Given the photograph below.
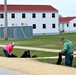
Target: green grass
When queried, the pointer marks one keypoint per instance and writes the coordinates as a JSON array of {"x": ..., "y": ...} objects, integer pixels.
[
  {"x": 19, "y": 52},
  {"x": 50, "y": 42},
  {"x": 53, "y": 61}
]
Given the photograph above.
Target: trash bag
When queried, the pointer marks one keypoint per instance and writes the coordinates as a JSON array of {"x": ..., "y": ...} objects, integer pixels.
[
  {"x": 34, "y": 56},
  {"x": 59, "y": 59},
  {"x": 26, "y": 54},
  {"x": 12, "y": 55}
]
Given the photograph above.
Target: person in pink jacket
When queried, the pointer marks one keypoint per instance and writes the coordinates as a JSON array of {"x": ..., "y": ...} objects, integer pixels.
[{"x": 8, "y": 49}]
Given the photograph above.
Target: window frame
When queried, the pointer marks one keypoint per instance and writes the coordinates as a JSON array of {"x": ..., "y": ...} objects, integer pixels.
[
  {"x": 34, "y": 26},
  {"x": 44, "y": 26},
  {"x": 74, "y": 24},
  {"x": 43, "y": 15},
  {"x": 12, "y": 15},
  {"x": 23, "y": 15},
  {"x": 67, "y": 25},
  {"x": 1, "y": 16},
  {"x": 53, "y": 25},
  {"x": 53, "y": 15},
  {"x": 33, "y": 15}
]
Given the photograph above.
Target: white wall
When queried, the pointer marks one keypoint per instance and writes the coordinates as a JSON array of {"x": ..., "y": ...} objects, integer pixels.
[
  {"x": 70, "y": 28},
  {"x": 38, "y": 21},
  {"x": 66, "y": 29},
  {"x": 48, "y": 21},
  {"x": 1, "y": 21}
]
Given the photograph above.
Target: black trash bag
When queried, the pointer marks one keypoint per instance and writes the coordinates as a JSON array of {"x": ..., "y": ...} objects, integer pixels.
[
  {"x": 59, "y": 59},
  {"x": 34, "y": 56},
  {"x": 26, "y": 54},
  {"x": 12, "y": 55}
]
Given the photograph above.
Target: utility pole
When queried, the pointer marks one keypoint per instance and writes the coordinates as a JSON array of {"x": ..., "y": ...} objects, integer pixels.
[{"x": 6, "y": 26}]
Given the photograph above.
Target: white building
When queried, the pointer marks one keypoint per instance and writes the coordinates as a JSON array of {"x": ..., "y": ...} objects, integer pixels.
[
  {"x": 43, "y": 18},
  {"x": 68, "y": 24}
]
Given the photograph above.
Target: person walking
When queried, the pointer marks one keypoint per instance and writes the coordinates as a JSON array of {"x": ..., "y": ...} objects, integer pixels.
[
  {"x": 8, "y": 50},
  {"x": 68, "y": 51}
]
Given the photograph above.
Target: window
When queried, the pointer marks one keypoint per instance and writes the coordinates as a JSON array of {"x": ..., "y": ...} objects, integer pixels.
[
  {"x": 34, "y": 26},
  {"x": 12, "y": 15},
  {"x": 1, "y": 15},
  {"x": 23, "y": 15},
  {"x": 53, "y": 26},
  {"x": 53, "y": 15},
  {"x": 43, "y": 15},
  {"x": 67, "y": 25},
  {"x": 44, "y": 26},
  {"x": 33, "y": 15},
  {"x": 74, "y": 25}
]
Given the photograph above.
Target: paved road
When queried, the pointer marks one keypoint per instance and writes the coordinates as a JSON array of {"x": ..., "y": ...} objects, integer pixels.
[{"x": 9, "y": 72}]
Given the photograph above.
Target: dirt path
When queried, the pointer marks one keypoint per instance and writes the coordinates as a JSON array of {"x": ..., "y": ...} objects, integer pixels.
[
  {"x": 33, "y": 67},
  {"x": 38, "y": 49}
]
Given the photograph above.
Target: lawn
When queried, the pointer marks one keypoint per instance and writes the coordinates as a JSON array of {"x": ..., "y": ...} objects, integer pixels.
[
  {"x": 53, "y": 61},
  {"x": 19, "y": 52},
  {"x": 50, "y": 42}
]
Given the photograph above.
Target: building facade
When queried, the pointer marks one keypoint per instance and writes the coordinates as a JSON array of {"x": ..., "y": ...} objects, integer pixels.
[
  {"x": 42, "y": 18},
  {"x": 67, "y": 24}
]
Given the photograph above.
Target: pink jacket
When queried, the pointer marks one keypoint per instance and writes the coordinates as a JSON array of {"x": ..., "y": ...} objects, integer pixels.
[{"x": 9, "y": 48}]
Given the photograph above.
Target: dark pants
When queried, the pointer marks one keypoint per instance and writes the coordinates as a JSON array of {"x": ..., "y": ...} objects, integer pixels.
[
  {"x": 7, "y": 55},
  {"x": 5, "y": 52},
  {"x": 68, "y": 60}
]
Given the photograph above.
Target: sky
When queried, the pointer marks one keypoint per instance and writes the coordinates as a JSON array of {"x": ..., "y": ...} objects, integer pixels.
[{"x": 65, "y": 7}]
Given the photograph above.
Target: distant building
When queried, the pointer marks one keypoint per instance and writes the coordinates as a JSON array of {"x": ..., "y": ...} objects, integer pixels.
[
  {"x": 42, "y": 18},
  {"x": 67, "y": 24}
]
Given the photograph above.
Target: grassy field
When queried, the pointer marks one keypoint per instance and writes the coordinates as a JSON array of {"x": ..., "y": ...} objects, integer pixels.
[
  {"x": 19, "y": 52},
  {"x": 50, "y": 42},
  {"x": 53, "y": 61}
]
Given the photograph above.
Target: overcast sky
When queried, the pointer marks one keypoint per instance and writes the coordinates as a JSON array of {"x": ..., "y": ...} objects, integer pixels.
[{"x": 65, "y": 7}]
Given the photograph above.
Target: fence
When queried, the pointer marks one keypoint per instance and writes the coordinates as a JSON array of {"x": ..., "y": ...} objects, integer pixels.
[{"x": 18, "y": 32}]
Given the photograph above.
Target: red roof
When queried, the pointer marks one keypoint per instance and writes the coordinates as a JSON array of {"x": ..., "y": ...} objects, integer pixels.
[
  {"x": 28, "y": 8},
  {"x": 66, "y": 19}
]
